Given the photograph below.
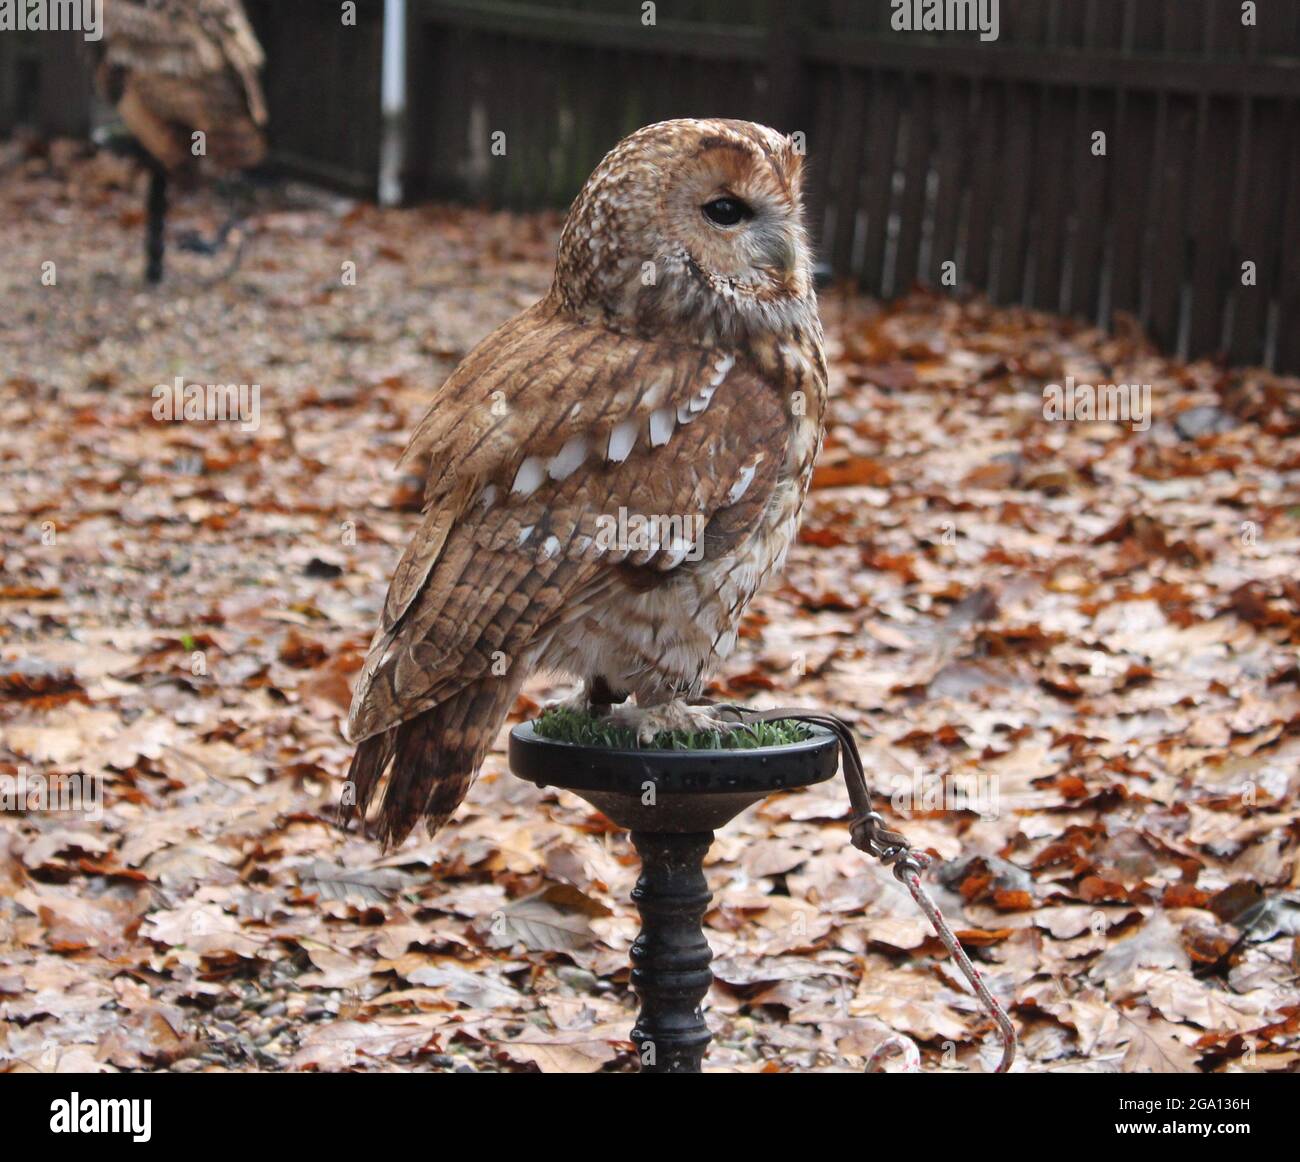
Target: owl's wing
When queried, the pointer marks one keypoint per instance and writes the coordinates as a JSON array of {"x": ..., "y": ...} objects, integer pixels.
[
  {"x": 188, "y": 40},
  {"x": 546, "y": 436}
]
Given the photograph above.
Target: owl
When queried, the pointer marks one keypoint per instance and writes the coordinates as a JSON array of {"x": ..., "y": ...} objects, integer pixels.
[
  {"x": 174, "y": 69},
  {"x": 615, "y": 472}
]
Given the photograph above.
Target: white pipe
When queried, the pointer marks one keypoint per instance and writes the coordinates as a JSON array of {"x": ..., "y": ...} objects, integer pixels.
[{"x": 394, "y": 102}]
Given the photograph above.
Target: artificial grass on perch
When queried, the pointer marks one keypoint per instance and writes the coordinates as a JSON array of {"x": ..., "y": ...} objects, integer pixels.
[
  {"x": 672, "y": 793},
  {"x": 573, "y": 726}
]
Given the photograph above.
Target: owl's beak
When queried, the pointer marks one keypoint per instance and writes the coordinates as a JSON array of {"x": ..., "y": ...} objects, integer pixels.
[{"x": 783, "y": 256}]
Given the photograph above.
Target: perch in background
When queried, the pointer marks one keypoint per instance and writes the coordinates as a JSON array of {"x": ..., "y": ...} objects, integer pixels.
[{"x": 174, "y": 68}]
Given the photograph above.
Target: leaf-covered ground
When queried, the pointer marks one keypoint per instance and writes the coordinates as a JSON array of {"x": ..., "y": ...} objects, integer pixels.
[{"x": 1091, "y": 632}]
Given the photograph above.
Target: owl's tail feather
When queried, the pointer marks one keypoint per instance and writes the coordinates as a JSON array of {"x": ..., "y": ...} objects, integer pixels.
[{"x": 431, "y": 761}]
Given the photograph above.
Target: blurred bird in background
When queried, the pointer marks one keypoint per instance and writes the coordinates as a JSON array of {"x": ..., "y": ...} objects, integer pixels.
[{"x": 183, "y": 76}]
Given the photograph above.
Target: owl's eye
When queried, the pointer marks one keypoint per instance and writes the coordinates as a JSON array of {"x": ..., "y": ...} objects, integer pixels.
[{"x": 726, "y": 211}]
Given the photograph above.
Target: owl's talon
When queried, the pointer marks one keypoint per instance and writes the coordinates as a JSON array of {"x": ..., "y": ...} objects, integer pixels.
[{"x": 671, "y": 716}]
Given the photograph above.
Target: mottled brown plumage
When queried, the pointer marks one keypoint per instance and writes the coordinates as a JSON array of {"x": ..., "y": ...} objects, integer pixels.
[
  {"x": 173, "y": 67},
  {"x": 675, "y": 370}
]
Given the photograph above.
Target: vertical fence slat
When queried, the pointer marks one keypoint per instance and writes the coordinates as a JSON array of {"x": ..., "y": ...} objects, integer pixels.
[
  {"x": 911, "y": 202},
  {"x": 951, "y": 173},
  {"x": 1288, "y": 307},
  {"x": 988, "y": 159},
  {"x": 1216, "y": 168},
  {"x": 847, "y": 150},
  {"x": 1133, "y": 160},
  {"x": 1014, "y": 193},
  {"x": 1055, "y": 166},
  {"x": 1170, "y": 208},
  {"x": 823, "y": 141},
  {"x": 1260, "y": 229},
  {"x": 882, "y": 142}
]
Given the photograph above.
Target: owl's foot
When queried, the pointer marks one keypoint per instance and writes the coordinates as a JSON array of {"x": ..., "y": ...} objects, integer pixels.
[
  {"x": 593, "y": 697},
  {"x": 669, "y": 716},
  {"x": 577, "y": 703}
]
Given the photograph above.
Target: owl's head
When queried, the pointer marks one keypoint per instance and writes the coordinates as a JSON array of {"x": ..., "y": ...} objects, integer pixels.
[{"x": 691, "y": 225}]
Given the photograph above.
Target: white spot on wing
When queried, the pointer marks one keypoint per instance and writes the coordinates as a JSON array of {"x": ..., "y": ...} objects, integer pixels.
[
  {"x": 530, "y": 475},
  {"x": 743, "y": 481},
  {"x": 701, "y": 399},
  {"x": 652, "y": 396},
  {"x": 488, "y": 497},
  {"x": 551, "y": 546},
  {"x": 662, "y": 421},
  {"x": 525, "y": 533},
  {"x": 568, "y": 459},
  {"x": 622, "y": 439}
]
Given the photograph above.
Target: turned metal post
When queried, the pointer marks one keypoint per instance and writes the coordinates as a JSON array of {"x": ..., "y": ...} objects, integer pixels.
[
  {"x": 155, "y": 224},
  {"x": 670, "y": 958}
]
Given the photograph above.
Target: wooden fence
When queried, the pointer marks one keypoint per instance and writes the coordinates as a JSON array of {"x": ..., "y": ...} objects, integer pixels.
[
  {"x": 44, "y": 83},
  {"x": 927, "y": 148},
  {"x": 323, "y": 89}
]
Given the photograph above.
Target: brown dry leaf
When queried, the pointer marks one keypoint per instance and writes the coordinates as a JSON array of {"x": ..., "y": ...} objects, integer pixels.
[
  {"x": 907, "y": 1004},
  {"x": 65, "y": 737},
  {"x": 1181, "y": 997},
  {"x": 1158, "y": 944},
  {"x": 203, "y": 929},
  {"x": 1095, "y": 1021},
  {"x": 75, "y": 925},
  {"x": 150, "y": 1037},
  {"x": 352, "y": 885},
  {"x": 569, "y": 1051},
  {"x": 342, "y": 1044},
  {"x": 336, "y": 969},
  {"x": 474, "y": 990},
  {"x": 1154, "y": 1048},
  {"x": 557, "y": 919}
]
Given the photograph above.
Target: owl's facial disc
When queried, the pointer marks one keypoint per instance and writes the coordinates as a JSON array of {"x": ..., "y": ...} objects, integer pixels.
[
  {"x": 692, "y": 227},
  {"x": 733, "y": 211}
]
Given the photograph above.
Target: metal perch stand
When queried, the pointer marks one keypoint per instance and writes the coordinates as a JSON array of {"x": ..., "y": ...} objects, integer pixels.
[{"x": 672, "y": 802}]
